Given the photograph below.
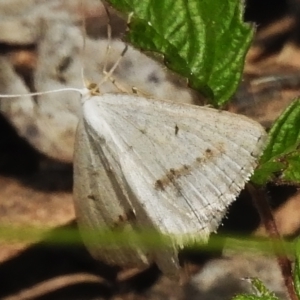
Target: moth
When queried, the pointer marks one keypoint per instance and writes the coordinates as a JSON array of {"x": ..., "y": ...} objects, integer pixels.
[
  {"x": 171, "y": 167},
  {"x": 148, "y": 163}
]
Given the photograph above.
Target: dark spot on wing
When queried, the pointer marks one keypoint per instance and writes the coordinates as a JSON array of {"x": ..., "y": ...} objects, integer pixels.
[
  {"x": 126, "y": 217},
  {"x": 94, "y": 173},
  {"x": 171, "y": 177},
  {"x": 207, "y": 155},
  {"x": 159, "y": 185},
  {"x": 91, "y": 197},
  {"x": 208, "y": 151},
  {"x": 199, "y": 159},
  {"x": 122, "y": 220},
  {"x": 173, "y": 174},
  {"x": 176, "y": 129}
]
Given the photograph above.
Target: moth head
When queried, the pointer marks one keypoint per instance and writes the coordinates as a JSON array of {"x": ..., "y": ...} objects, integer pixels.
[{"x": 93, "y": 88}]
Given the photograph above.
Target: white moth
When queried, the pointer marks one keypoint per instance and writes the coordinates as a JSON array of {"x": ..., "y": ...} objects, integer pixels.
[{"x": 145, "y": 163}]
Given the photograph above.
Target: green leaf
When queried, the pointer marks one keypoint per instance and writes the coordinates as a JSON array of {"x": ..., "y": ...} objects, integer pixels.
[
  {"x": 246, "y": 297},
  {"x": 296, "y": 271},
  {"x": 205, "y": 41},
  {"x": 280, "y": 161},
  {"x": 252, "y": 297},
  {"x": 261, "y": 292}
]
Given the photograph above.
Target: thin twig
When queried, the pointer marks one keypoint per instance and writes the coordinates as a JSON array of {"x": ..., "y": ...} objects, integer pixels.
[{"x": 260, "y": 201}]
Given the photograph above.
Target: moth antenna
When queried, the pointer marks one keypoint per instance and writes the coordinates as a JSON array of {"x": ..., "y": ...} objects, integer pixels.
[
  {"x": 81, "y": 91},
  {"x": 82, "y": 51},
  {"x": 109, "y": 39}
]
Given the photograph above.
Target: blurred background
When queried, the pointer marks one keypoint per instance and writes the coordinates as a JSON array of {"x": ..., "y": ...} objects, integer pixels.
[{"x": 40, "y": 49}]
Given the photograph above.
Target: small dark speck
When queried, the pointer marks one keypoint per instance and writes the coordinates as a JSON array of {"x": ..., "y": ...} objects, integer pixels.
[
  {"x": 208, "y": 150},
  {"x": 172, "y": 171},
  {"x": 91, "y": 197},
  {"x": 176, "y": 129},
  {"x": 159, "y": 185}
]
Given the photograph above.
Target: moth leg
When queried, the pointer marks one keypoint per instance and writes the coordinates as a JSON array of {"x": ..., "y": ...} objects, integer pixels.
[
  {"x": 122, "y": 88},
  {"x": 108, "y": 74}
]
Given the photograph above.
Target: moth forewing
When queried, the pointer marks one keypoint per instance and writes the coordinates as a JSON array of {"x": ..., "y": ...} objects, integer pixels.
[
  {"x": 178, "y": 166},
  {"x": 100, "y": 198}
]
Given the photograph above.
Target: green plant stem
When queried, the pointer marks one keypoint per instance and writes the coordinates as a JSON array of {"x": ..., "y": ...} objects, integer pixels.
[{"x": 260, "y": 202}]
